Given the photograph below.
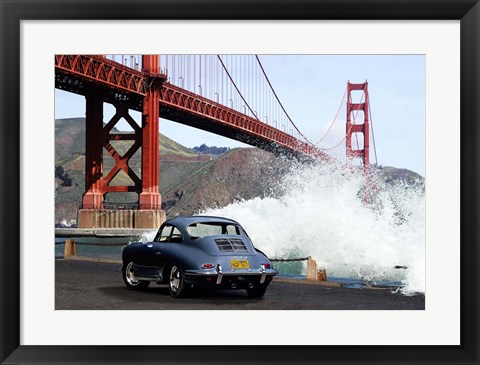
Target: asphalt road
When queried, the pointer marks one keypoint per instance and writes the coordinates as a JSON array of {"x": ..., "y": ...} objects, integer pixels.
[{"x": 98, "y": 285}]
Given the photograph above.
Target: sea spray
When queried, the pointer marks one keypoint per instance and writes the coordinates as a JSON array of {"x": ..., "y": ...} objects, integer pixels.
[{"x": 320, "y": 211}]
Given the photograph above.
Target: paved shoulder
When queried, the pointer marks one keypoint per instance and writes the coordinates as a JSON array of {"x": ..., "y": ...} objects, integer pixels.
[{"x": 97, "y": 285}]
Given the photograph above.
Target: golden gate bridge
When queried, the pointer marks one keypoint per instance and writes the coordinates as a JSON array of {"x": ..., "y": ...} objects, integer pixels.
[{"x": 229, "y": 95}]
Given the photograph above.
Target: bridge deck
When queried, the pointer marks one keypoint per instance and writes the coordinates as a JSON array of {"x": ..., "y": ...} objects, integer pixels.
[{"x": 120, "y": 84}]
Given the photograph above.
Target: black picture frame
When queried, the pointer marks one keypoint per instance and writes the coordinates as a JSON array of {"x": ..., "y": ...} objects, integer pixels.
[{"x": 13, "y": 12}]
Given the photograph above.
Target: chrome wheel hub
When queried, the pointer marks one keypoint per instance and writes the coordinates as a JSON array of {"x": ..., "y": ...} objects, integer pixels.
[
  {"x": 130, "y": 276},
  {"x": 174, "y": 279}
]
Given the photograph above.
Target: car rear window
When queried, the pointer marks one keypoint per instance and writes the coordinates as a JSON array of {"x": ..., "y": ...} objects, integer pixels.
[{"x": 213, "y": 229}]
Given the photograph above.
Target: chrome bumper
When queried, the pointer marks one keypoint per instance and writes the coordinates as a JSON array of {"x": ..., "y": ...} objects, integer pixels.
[
  {"x": 220, "y": 274},
  {"x": 263, "y": 273}
]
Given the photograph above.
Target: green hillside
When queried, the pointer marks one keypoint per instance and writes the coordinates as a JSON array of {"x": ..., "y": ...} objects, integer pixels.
[
  {"x": 189, "y": 182},
  {"x": 170, "y": 147}
]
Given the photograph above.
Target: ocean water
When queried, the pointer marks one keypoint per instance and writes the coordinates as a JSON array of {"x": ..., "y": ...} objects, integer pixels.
[
  {"x": 320, "y": 211},
  {"x": 105, "y": 248}
]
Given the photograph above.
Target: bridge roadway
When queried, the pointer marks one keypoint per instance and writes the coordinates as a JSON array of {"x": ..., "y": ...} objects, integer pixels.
[{"x": 99, "y": 285}]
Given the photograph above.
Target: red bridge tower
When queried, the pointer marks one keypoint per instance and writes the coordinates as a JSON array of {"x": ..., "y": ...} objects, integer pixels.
[
  {"x": 355, "y": 127},
  {"x": 147, "y": 213}
]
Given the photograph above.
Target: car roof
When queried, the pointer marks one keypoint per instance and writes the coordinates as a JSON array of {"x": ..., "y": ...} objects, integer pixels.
[{"x": 185, "y": 221}]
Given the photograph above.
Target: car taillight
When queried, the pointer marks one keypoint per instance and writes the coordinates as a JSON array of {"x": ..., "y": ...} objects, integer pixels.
[
  {"x": 267, "y": 266},
  {"x": 208, "y": 266}
]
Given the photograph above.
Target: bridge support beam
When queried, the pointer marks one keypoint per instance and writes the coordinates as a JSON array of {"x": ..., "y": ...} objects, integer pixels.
[
  {"x": 150, "y": 213},
  {"x": 93, "y": 197},
  {"x": 150, "y": 197}
]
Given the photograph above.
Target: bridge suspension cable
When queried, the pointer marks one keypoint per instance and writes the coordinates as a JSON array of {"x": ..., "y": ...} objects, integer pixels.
[
  {"x": 343, "y": 139},
  {"x": 373, "y": 134},
  {"x": 236, "y": 87},
  {"x": 279, "y": 102},
  {"x": 239, "y": 82},
  {"x": 334, "y": 119}
]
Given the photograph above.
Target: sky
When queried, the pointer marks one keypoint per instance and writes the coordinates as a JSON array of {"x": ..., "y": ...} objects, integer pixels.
[{"x": 311, "y": 88}]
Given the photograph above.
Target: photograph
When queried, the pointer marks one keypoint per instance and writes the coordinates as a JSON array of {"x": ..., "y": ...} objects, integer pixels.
[
  {"x": 239, "y": 182},
  {"x": 163, "y": 163}
]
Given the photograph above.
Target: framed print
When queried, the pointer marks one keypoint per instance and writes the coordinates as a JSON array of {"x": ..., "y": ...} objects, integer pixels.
[{"x": 427, "y": 50}]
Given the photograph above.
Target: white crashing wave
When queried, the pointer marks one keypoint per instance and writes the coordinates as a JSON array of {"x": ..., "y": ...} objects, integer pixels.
[{"x": 321, "y": 213}]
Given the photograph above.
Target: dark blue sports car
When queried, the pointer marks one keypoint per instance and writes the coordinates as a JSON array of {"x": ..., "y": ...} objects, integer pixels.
[{"x": 198, "y": 251}]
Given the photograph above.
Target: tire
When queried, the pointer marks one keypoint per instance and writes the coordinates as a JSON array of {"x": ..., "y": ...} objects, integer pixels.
[
  {"x": 257, "y": 292},
  {"x": 130, "y": 280},
  {"x": 176, "y": 282}
]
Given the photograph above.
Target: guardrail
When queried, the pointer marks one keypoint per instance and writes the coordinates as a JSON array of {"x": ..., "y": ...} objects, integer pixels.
[{"x": 313, "y": 273}]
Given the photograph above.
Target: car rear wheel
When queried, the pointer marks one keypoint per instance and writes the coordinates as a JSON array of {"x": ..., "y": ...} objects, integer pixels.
[
  {"x": 176, "y": 282},
  {"x": 129, "y": 278},
  {"x": 256, "y": 292}
]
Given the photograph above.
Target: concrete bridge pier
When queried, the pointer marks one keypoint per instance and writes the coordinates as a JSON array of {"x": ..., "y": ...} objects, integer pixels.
[{"x": 127, "y": 218}]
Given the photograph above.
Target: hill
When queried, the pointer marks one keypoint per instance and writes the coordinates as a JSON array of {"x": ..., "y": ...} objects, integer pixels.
[
  {"x": 176, "y": 162},
  {"x": 239, "y": 174},
  {"x": 189, "y": 182},
  {"x": 392, "y": 175}
]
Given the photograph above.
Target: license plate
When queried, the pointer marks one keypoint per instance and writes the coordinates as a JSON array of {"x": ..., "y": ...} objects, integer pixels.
[{"x": 239, "y": 264}]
